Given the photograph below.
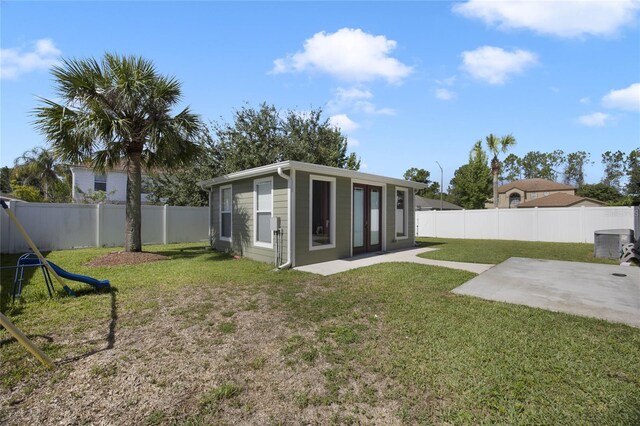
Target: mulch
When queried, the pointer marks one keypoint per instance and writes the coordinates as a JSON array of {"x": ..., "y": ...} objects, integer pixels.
[{"x": 126, "y": 258}]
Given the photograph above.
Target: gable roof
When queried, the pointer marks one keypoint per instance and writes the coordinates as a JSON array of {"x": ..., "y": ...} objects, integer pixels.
[
  {"x": 423, "y": 203},
  {"x": 559, "y": 199},
  {"x": 531, "y": 185},
  {"x": 311, "y": 168}
]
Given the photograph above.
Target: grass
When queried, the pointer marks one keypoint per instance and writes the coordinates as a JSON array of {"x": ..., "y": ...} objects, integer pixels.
[
  {"x": 496, "y": 251},
  {"x": 390, "y": 338}
]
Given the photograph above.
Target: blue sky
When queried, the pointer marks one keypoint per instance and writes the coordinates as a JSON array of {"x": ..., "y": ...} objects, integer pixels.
[{"x": 410, "y": 83}]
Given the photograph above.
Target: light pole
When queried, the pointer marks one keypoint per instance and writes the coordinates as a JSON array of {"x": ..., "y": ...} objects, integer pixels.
[{"x": 441, "y": 202}]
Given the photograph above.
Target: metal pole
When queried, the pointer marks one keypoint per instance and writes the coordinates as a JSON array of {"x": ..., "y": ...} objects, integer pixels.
[{"x": 441, "y": 182}]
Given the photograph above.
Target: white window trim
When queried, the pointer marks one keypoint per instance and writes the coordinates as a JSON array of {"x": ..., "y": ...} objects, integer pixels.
[
  {"x": 332, "y": 216},
  {"x": 406, "y": 213},
  {"x": 257, "y": 243},
  {"x": 220, "y": 211}
]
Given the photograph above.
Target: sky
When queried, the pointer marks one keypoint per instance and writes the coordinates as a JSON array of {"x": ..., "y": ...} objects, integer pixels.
[{"x": 409, "y": 83}]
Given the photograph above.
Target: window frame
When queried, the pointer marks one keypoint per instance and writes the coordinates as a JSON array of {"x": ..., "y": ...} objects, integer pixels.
[
  {"x": 95, "y": 181},
  {"x": 332, "y": 212},
  {"x": 257, "y": 182},
  {"x": 220, "y": 212},
  {"x": 405, "y": 214}
]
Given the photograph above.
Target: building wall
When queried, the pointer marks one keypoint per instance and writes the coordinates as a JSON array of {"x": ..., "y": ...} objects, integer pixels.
[
  {"x": 84, "y": 178},
  {"x": 503, "y": 199},
  {"x": 242, "y": 238},
  {"x": 304, "y": 256}
]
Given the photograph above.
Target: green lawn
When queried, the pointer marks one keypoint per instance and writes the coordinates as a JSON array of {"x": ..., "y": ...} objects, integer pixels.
[
  {"x": 205, "y": 339},
  {"x": 496, "y": 251}
]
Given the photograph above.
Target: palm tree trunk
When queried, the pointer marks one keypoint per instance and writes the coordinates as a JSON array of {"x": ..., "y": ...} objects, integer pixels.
[
  {"x": 133, "y": 211},
  {"x": 495, "y": 189}
]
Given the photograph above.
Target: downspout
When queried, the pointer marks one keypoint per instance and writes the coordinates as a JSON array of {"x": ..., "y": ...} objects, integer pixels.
[{"x": 288, "y": 179}]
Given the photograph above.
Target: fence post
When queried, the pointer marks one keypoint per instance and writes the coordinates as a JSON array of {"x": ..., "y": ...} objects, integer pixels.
[
  {"x": 464, "y": 224},
  {"x": 165, "y": 225},
  {"x": 582, "y": 238},
  {"x": 99, "y": 221},
  {"x": 537, "y": 219}
]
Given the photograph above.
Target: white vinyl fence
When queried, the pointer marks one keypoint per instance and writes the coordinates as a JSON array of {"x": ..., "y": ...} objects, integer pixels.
[
  {"x": 567, "y": 224},
  {"x": 65, "y": 226}
]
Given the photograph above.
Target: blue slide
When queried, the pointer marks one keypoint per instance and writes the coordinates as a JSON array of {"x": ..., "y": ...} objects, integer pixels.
[{"x": 99, "y": 284}]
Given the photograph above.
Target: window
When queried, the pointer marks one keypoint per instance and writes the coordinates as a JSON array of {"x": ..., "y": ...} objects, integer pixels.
[
  {"x": 100, "y": 183},
  {"x": 226, "y": 217},
  {"x": 263, "y": 202},
  {"x": 514, "y": 200},
  {"x": 402, "y": 199},
  {"x": 322, "y": 211}
]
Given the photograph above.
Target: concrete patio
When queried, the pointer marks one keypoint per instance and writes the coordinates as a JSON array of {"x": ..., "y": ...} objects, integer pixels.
[
  {"x": 410, "y": 255},
  {"x": 609, "y": 292}
]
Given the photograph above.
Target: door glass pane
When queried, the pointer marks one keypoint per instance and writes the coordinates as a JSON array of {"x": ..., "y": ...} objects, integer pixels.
[
  {"x": 358, "y": 217},
  {"x": 400, "y": 208},
  {"x": 263, "y": 233},
  {"x": 374, "y": 220}
]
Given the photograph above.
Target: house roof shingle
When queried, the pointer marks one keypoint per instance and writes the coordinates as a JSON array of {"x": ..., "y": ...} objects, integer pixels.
[
  {"x": 531, "y": 185},
  {"x": 422, "y": 203},
  {"x": 559, "y": 199}
]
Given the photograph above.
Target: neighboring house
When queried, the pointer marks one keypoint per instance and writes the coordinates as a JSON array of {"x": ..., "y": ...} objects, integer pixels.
[
  {"x": 512, "y": 194},
  {"x": 113, "y": 182},
  {"x": 561, "y": 199},
  {"x": 318, "y": 213},
  {"x": 422, "y": 204}
]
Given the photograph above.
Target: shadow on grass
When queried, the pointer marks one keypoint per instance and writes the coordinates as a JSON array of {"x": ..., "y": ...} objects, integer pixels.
[
  {"x": 7, "y": 277},
  {"x": 428, "y": 243},
  {"x": 111, "y": 335},
  {"x": 190, "y": 253}
]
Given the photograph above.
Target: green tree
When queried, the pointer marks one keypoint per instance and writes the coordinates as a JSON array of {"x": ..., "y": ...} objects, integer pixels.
[
  {"x": 543, "y": 165},
  {"x": 496, "y": 146},
  {"x": 511, "y": 168},
  {"x": 421, "y": 175},
  {"x": 471, "y": 183},
  {"x": 599, "y": 191},
  {"x": 614, "y": 169},
  {"x": 119, "y": 109},
  {"x": 633, "y": 175},
  {"x": 5, "y": 180},
  {"x": 27, "y": 193},
  {"x": 575, "y": 163},
  {"x": 39, "y": 168},
  {"x": 256, "y": 137}
]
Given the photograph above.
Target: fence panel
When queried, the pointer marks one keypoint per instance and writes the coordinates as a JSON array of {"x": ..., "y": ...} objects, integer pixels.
[
  {"x": 64, "y": 226},
  {"x": 572, "y": 224}
]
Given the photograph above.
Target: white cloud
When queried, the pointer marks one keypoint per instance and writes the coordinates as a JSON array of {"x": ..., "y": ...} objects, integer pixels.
[
  {"x": 558, "y": 18},
  {"x": 348, "y": 54},
  {"x": 352, "y": 143},
  {"x": 444, "y": 94},
  {"x": 343, "y": 122},
  {"x": 626, "y": 99},
  {"x": 449, "y": 81},
  {"x": 597, "y": 119},
  {"x": 16, "y": 61},
  {"x": 355, "y": 99},
  {"x": 586, "y": 100},
  {"x": 495, "y": 65}
]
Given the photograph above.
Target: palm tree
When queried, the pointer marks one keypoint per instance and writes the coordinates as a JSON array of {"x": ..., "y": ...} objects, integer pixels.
[
  {"x": 115, "y": 111},
  {"x": 39, "y": 168},
  {"x": 497, "y": 145}
]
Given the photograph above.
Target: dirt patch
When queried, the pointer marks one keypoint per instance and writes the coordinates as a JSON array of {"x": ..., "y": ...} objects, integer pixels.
[{"x": 126, "y": 258}]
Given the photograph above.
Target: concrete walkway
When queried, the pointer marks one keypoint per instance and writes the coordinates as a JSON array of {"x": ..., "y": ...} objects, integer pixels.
[
  {"x": 609, "y": 292},
  {"x": 410, "y": 255}
]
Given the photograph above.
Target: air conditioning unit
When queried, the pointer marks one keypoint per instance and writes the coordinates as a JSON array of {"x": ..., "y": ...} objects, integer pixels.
[{"x": 609, "y": 242}]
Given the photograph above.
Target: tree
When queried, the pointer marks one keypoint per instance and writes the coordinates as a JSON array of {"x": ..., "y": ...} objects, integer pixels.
[
  {"x": 511, "y": 168},
  {"x": 574, "y": 167},
  {"x": 633, "y": 174},
  {"x": 497, "y": 145},
  {"x": 256, "y": 137},
  {"x": 5, "y": 180},
  {"x": 421, "y": 175},
  {"x": 543, "y": 165},
  {"x": 599, "y": 191},
  {"x": 613, "y": 163},
  {"x": 471, "y": 183},
  {"x": 39, "y": 168},
  {"x": 119, "y": 110},
  {"x": 27, "y": 193}
]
